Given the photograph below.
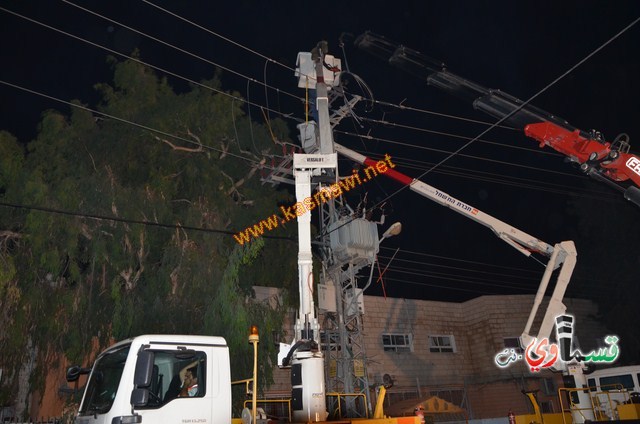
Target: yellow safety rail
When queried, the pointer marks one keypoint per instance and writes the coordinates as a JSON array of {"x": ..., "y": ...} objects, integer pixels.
[
  {"x": 599, "y": 407},
  {"x": 274, "y": 401},
  {"x": 346, "y": 395}
]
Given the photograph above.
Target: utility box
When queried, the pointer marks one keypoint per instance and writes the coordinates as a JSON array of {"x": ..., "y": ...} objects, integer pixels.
[
  {"x": 354, "y": 240},
  {"x": 306, "y": 71},
  {"x": 354, "y": 302},
  {"x": 327, "y": 297},
  {"x": 308, "y": 136}
]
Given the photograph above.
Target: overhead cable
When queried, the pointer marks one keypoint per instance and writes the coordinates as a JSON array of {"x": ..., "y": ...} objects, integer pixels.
[
  {"x": 145, "y": 127},
  {"x": 131, "y": 221},
  {"x": 462, "y": 137},
  {"x": 514, "y": 111},
  {"x": 440, "y": 114},
  {"x": 175, "y": 15},
  {"x": 141, "y": 62},
  {"x": 183, "y": 50}
]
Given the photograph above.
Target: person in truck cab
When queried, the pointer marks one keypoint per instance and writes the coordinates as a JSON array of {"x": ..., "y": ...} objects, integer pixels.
[{"x": 189, "y": 382}]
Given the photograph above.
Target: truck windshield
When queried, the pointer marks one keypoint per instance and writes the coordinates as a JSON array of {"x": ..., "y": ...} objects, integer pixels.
[{"x": 103, "y": 382}]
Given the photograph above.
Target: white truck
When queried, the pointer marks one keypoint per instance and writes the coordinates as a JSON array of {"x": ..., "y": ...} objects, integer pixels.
[{"x": 139, "y": 380}]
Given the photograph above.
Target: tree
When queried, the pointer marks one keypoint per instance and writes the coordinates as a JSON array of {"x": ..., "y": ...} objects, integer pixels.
[{"x": 68, "y": 279}]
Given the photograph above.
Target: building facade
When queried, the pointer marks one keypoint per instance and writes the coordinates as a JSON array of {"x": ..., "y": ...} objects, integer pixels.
[{"x": 448, "y": 350}]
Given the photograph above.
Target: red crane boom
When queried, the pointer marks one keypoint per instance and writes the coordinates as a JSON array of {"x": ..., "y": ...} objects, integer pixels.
[{"x": 611, "y": 163}]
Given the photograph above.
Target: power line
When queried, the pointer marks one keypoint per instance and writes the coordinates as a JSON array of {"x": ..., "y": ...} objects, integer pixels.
[
  {"x": 443, "y": 115},
  {"x": 462, "y": 137},
  {"x": 116, "y": 118},
  {"x": 241, "y": 100},
  {"x": 439, "y": 286},
  {"x": 184, "y": 51},
  {"x": 413, "y": 252},
  {"x": 402, "y": 107},
  {"x": 142, "y": 62},
  {"x": 432, "y": 149},
  {"x": 443, "y": 276},
  {"x": 131, "y": 221},
  {"x": 590, "y": 291},
  {"x": 514, "y": 111},
  {"x": 178, "y": 76},
  {"x": 527, "y": 183},
  {"x": 218, "y": 35},
  {"x": 454, "y": 277},
  {"x": 607, "y": 197},
  {"x": 437, "y": 265}
]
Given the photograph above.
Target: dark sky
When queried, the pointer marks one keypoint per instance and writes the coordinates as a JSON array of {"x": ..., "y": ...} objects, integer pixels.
[{"x": 518, "y": 47}]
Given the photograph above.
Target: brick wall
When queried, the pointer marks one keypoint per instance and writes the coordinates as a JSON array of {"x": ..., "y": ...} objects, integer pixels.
[{"x": 478, "y": 327}]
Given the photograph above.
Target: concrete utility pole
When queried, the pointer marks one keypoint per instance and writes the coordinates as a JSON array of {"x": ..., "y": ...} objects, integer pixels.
[
  {"x": 342, "y": 338},
  {"x": 335, "y": 356}
]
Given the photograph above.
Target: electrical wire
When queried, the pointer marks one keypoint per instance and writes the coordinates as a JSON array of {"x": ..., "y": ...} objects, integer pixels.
[
  {"x": 248, "y": 102},
  {"x": 281, "y": 114},
  {"x": 520, "y": 182},
  {"x": 466, "y": 261},
  {"x": 184, "y": 51},
  {"x": 455, "y": 277},
  {"x": 461, "y": 137},
  {"x": 432, "y": 149},
  {"x": 269, "y": 59},
  {"x": 146, "y": 64},
  {"x": 132, "y": 221},
  {"x": 175, "y": 15},
  {"x": 173, "y": 74},
  {"x": 525, "y": 183},
  {"x": 501, "y": 120},
  {"x": 439, "y": 286},
  {"x": 126, "y": 121},
  {"x": 410, "y": 253},
  {"x": 457, "y": 268},
  {"x": 440, "y": 114},
  {"x": 456, "y": 288}
]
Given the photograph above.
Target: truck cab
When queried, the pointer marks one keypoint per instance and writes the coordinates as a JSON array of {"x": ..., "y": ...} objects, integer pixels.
[
  {"x": 144, "y": 379},
  {"x": 611, "y": 387}
]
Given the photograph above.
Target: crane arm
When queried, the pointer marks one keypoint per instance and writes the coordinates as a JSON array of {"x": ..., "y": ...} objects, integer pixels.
[
  {"x": 521, "y": 241},
  {"x": 561, "y": 256},
  {"x": 607, "y": 162}
]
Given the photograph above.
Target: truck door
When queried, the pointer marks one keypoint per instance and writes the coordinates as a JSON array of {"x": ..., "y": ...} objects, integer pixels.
[{"x": 186, "y": 386}]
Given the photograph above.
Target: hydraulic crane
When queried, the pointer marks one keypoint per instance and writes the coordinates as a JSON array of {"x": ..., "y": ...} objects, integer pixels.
[
  {"x": 608, "y": 162},
  {"x": 562, "y": 258}
]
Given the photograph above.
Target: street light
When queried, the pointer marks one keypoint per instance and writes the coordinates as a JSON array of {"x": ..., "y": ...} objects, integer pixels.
[{"x": 393, "y": 230}]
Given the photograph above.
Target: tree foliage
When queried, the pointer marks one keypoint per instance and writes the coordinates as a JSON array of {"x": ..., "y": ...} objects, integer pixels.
[{"x": 66, "y": 280}]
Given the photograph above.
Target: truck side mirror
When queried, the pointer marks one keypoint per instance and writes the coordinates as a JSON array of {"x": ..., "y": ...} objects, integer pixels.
[
  {"x": 139, "y": 397},
  {"x": 144, "y": 369},
  {"x": 142, "y": 379},
  {"x": 74, "y": 372}
]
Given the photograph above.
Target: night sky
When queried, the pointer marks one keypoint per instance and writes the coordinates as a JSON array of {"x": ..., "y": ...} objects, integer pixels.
[{"x": 518, "y": 47}]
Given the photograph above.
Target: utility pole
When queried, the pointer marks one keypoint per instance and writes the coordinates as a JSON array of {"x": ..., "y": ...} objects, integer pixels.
[
  {"x": 340, "y": 229},
  {"x": 316, "y": 377}
]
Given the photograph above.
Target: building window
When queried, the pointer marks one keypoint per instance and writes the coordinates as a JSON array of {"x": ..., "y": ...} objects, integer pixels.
[
  {"x": 442, "y": 344},
  {"x": 548, "y": 386},
  {"x": 397, "y": 342},
  {"x": 546, "y": 406},
  {"x": 513, "y": 343}
]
